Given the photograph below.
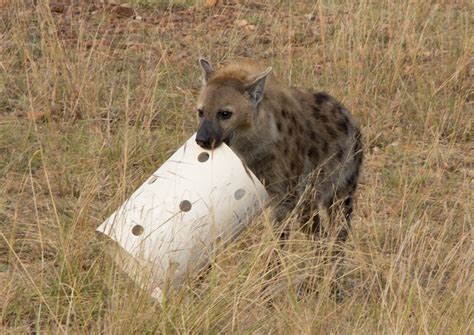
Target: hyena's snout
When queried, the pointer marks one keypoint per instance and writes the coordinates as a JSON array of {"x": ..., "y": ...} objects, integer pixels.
[{"x": 208, "y": 136}]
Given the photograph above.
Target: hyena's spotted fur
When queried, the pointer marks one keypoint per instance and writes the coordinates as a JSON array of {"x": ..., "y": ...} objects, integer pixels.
[{"x": 303, "y": 145}]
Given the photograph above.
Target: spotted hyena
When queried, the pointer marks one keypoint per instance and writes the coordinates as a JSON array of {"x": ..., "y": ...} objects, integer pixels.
[{"x": 303, "y": 145}]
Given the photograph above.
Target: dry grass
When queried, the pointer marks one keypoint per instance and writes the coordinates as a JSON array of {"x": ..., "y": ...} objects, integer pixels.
[{"x": 92, "y": 103}]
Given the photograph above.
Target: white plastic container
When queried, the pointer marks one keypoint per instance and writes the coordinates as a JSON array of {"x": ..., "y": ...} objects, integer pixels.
[{"x": 172, "y": 223}]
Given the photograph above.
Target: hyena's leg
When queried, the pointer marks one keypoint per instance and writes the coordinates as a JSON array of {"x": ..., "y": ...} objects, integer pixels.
[
  {"x": 311, "y": 199},
  {"x": 310, "y": 218},
  {"x": 341, "y": 225},
  {"x": 282, "y": 212},
  {"x": 313, "y": 225}
]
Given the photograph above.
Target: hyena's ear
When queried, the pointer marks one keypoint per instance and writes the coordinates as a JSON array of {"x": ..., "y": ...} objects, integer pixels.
[
  {"x": 257, "y": 86},
  {"x": 206, "y": 69}
]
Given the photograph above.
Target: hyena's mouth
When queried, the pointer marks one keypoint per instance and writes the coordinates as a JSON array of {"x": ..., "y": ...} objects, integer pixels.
[{"x": 228, "y": 139}]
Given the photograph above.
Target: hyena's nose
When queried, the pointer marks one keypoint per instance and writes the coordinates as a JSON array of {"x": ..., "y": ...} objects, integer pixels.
[
  {"x": 204, "y": 136},
  {"x": 203, "y": 142}
]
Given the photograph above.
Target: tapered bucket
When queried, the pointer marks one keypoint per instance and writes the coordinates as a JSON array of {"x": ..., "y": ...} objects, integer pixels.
[{"x": 172, "y": 224}]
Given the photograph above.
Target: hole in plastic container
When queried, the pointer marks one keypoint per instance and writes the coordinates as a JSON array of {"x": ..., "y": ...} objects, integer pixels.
[
  {"x": 239, "y": 194},
  {"x": 203, "y": 157},
  {"x": 137, "y": 230},
  {"x": 185, "y": 205},
  {"x": 152, "y": 179}
]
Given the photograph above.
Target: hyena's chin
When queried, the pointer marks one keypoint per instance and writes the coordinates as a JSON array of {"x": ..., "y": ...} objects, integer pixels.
[{"x": 228, "y": 139}]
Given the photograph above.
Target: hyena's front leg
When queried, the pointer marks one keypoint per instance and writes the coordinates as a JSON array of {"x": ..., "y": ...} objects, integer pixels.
[
  {"x": 282, "y": 207},
  {"x": 300, "y": 203},
  {"x": 283, "y": 199},
  {"x": 296, "y": 198},
  {"x": 312, "y": 223}
]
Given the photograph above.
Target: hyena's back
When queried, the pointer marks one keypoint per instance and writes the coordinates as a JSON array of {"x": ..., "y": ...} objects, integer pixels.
[
  {"x": 294, "y": 140},
  {"x": 319, "y": 147},
  {"x": 333, "y": 145}
]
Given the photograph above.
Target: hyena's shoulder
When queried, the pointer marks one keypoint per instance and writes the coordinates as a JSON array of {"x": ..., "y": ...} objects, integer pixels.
[
  {"x": 325, "y": 118},
  {"x": 325, "y": 110}
]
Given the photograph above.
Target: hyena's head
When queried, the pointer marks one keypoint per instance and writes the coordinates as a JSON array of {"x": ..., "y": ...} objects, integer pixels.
[{"x": 227, "y": 104}]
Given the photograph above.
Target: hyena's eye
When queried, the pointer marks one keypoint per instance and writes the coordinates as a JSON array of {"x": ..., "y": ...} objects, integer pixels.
[
  {"x": 200, "y": 113},
  {"x": 224, "y": 115}
]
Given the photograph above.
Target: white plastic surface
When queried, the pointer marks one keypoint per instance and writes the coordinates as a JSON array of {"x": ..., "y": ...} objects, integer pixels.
[{"x": 172, "y": 223}]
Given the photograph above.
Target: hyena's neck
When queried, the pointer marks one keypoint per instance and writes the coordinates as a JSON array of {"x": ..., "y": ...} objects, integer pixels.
[{"x": 257, "y": 144}]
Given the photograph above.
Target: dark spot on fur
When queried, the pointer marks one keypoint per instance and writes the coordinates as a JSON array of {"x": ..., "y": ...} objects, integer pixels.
[
  {"x": 339, "y": 154},
  {"x": 301, "y": 145},
  {"x": 343, "y": 126},
  {"x": 284, "y": 113},
  {"x": 313, "y": 153},
  {"x": 290, "y": 131},
  {"x": 312, "y": 135},
  {"x": 324, "y": 146},
  {"x": 321, "y": 98},
  {"x": 351, "y": 183},
  {"x": 331, "y": 132},
  {"x": 285, "y": 150},
  {"x": 279, "y": 125},
  {"x": 351, "y": 180},
  {"x": 293, "y": 166},
  {"x": 316, "y": 110},
  {"x": 293, "y": 119},
  {"x": 323, "y": 118}
]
